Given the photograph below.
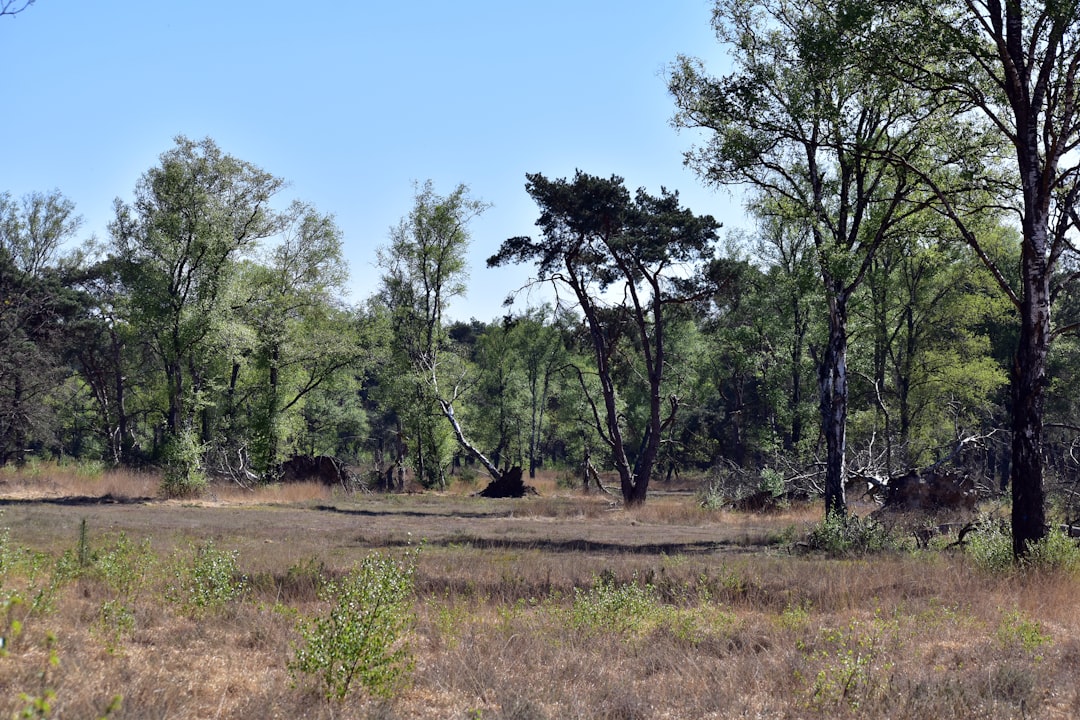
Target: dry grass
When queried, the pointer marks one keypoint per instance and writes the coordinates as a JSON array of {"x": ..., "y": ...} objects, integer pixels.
[
  {"x": 523, "y": 612},
  {"x": 52, "y": 480}
]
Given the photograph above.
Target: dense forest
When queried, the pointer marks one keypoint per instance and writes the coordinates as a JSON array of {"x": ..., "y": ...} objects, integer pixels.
[{"x": 912, "y": 175}]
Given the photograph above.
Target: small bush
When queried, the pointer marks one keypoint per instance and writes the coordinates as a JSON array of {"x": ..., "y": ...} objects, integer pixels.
[
  {"x": 607, "y": 607},
  {"x": 841, "y": 534},
  {"x": 1056, "y": 551},
  {"x": 208, "y": 582},
  {"x": 1017, "y": 630},
  {"x": 124, "y": 566},
  {"x": 772, "y": 482},
  {"x": 854, "y": 664},
  {"x": 990, "y": 545},
  {"x": 362, "y": 638},
  {"x": 124, "y": 569},
  {"x": 711, "y": 495}
]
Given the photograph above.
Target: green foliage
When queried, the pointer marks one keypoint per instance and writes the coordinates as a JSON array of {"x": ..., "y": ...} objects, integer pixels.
[
  {"x": 183, "y": 473},
  {"x": 853, "y": 663},
  {"x": 1017, "y": 630},
  {"x": 711, "y": 495},
  {"x": 45, "y": 577},
  {"x": 990, "y": 545},
  {"x": 1056, "y": 551},
  {"x": 124, "y": 569},
  {"x": 34, "y": 592},
  {"x": 623, "y": 609},
  {"x": 207, "y": 581},
  {"x": 772, "y": 482},
  {"x": 795, "y": 616},
  {"x": 39, "y": 704},
  {"x": 362, "y": 638},
  {"x": 840, "y": 535}
]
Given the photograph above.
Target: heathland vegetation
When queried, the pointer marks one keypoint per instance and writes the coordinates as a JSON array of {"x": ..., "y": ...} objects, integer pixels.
[
  {"x": 300, "y": 601},
  {"x": 903, "y": 314}
]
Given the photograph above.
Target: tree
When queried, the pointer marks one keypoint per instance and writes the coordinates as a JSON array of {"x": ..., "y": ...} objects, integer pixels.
[
  {"x": 539, "y": 345},
  {"x": 804, "y": 120},
  {"x": 927, "y": 371},
  {"x": 789, "y": 296},
  {"x": 497, "y": 405},
  {"x": 423, "y": 269},
  {"x": 302, "y": 338},
  {"x": 105, "y": 355},
  {"x": 1017, "y": 65},
  {"x": 36, "y": 309},
  {"x": 192, "y": 217},
  {"x": 627, "y": 261}
]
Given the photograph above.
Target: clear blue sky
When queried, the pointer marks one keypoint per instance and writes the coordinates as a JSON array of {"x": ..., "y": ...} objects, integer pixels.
[{"x": 353, "y": 101}]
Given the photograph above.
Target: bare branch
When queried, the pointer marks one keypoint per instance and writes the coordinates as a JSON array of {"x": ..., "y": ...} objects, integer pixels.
[{"x": 14, "y": 7}]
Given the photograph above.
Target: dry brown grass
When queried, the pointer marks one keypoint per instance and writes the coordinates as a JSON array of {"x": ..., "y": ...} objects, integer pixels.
[
  {"x": 734, "y": 624},
  {"x": 52, "y": 480}
]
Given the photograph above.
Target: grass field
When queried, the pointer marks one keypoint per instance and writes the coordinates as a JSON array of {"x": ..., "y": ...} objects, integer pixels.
[{"x": 560, "y": 606}]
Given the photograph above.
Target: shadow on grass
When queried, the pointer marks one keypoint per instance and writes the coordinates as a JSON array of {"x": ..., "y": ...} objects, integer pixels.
[
  {"x": 78, "y": 500},
  {"x": 578, "y": 545},
  {"x": 410, "y": 513}
]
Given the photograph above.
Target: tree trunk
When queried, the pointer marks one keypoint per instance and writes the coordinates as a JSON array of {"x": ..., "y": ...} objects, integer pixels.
[
  {"x": 833, "y": 383},
  {"x": 19, "y": 417},
  {"x": 175, "y": 383},
  {"x": 272, "y": 411},
  {"x": 1028, "y": 384},
  {"x": 492, "y": 466},
  {"x": 401, "y": 451},
  {"x": 795, "y": 399},
  {"x": 123, "y": 445}
]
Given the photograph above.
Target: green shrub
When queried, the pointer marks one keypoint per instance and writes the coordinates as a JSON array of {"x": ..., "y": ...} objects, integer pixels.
[
  {"x": 362, "y": 638},
  {"x": 1017, "y": 630},
  {"x": 853, "y": 663},
  {"x": 607, "y": 607},
  {"x": 124, "y": 569},
  {"x": 990, "y": 545},
  {"x": 1056, "y": 551},
  {"x": 208, "y": 582},
  {"x": 772, "y": 482},
  {"x": 840, "y": 534},
  {"x": 711, "y": 495}
]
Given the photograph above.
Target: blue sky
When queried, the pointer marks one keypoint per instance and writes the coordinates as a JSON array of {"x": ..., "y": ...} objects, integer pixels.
[{"x": 352, "y": 102}]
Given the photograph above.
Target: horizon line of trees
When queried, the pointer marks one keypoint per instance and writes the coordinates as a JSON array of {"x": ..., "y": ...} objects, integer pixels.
[{"x": 208, "y": 337}]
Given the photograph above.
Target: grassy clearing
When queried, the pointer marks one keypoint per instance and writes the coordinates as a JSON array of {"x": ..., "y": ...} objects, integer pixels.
[{"x": 552, "y": 607}]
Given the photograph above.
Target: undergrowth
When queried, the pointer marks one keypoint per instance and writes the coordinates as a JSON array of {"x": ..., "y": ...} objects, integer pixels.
[{"x": 840, "y": 534}]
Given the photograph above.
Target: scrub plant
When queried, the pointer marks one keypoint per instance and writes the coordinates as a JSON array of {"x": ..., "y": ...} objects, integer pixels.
[
  {"x": 123, "y": 568},
  {"x": 1017, "y": 630},
  {"x": 840, "y": 535},
  {"x": 854, "y": 662},
  {"x": 363, "y": 637},
  {"x": 208, "y": 582},
  {"x": 623, "y": 609}
]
